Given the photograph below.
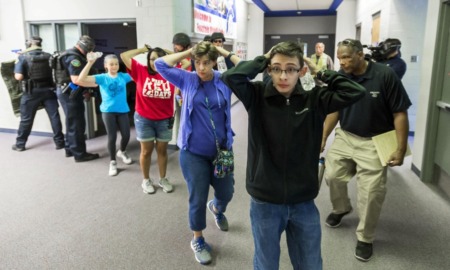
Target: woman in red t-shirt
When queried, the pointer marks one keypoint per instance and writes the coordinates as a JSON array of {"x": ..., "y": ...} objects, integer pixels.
[{"x": 153, "y": 116}]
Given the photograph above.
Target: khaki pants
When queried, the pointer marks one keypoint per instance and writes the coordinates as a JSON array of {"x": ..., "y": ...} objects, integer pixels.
[{"x": 351, "y": 155}]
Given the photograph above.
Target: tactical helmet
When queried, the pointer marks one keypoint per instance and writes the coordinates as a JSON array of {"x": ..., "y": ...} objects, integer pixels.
[
  {"x": 207, "y": 38},
  {"x": 181, "y": 39},
  {"x": 217, "y": 35},
  {"x": 86, "y": 43}
]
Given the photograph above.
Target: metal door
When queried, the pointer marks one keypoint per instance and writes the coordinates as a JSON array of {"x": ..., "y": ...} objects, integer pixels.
[
  {"x": 442, "y": 151},
  {"x": 436, "y": 165}
]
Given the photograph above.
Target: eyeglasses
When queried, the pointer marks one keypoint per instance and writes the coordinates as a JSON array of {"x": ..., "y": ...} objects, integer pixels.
[
  {"x": 289, "y": 71},
  {"x": 349, "y": 42},
  {"x": 217, "y": 41}
]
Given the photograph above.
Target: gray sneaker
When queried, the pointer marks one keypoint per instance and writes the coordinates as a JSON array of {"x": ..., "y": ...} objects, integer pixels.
[
  {"x": 166, "y": 185},
  {"x": 201, "y": 250},
  {"x": 220, "y": 218},
  {"x": 147, "y": 186}
]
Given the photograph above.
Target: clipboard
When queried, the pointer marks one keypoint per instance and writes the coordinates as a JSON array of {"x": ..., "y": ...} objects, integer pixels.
[{"x": 386, "y": 144}]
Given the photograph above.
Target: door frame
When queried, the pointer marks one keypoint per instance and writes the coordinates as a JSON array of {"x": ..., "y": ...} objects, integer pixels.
[{"x": 428, "y": 172}]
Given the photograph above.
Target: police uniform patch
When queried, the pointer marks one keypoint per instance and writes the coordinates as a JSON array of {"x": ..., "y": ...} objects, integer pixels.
[{"x": 75, "y": 63}]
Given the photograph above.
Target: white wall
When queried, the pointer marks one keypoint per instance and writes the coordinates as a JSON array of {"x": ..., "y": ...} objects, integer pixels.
[
  {"x": 156, "y": 23},
  {"x": 44, "y": 10},
  {"x": 255, "y": 30},
  {"x": 12, "y": 37},
  {"x": 345, "y": 23}
]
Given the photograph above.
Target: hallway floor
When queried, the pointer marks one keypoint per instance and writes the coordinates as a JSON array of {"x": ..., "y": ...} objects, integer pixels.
[{"x": 58, "y": 214}]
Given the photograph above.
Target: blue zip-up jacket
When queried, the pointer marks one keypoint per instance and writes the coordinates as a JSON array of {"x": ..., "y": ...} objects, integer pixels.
[
  {"x": 285, "y": 134},
  {"x": 189, "y": 82}
]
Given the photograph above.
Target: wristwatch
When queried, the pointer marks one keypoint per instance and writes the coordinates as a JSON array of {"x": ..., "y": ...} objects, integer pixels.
[{"x": 230, "y": 54}]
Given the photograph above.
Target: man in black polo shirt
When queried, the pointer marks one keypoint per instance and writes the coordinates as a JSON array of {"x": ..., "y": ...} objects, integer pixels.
[{"x": 384, "y": 108}]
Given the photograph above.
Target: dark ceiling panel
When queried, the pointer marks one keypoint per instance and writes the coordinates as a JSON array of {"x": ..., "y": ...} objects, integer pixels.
[{"x": 292, "y": 13}]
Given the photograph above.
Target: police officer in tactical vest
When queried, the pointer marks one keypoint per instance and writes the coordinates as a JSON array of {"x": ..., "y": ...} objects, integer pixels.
[
  {"x": 35, "y": 76},
  {"x": 72, "y": 99}
]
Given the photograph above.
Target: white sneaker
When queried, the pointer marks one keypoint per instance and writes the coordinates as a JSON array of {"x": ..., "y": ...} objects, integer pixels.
[
  {"x": 112, "y": 168},
  {"x": 124, "y": 156},
  {"x": 147, "y": 186},
  {"x": 166, "y": 185}
]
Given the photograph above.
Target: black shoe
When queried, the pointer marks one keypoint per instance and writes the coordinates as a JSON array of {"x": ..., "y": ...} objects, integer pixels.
[
  {"x": 363, "y": 251},
  {"x": 87, "y": 157},
  {"x": 15, "y": 147},
  {"x": 334, "y": 220},
  {"x": 68, "y": 153},
  {"x": 59, "y": 146}
]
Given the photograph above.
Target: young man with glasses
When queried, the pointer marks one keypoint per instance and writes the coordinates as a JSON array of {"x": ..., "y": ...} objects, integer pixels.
[
  {"x": 285, "y": 127},
  {"x": 383, "y": 108}
]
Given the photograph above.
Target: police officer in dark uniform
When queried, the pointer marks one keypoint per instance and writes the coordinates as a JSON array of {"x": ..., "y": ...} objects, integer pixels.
[
  {"x": 34, "y": 74},
  {"x": 72, "y": 101}
]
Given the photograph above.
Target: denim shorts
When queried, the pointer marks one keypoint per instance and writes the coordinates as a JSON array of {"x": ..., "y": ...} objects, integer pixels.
[{"x": 149, "y": 130}]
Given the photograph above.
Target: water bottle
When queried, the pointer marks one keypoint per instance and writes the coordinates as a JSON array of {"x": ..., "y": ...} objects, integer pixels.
[
  {"x": 307, "y": 82},
  {"x": 221, "y": 65},
  {"x": 94, "y": 55},
  {"x": 321, "y": 170}
]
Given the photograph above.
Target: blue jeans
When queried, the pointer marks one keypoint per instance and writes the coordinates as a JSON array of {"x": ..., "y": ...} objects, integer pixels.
[
  {"x": 198, "y": 172},
  {"x": 303, "y": 234}
]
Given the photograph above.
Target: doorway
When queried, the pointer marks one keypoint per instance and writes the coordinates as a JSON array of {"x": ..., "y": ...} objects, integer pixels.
[
  {"x": 112, "y": 38},
  {"x": 307, "y": 42},
  {"x": 436, "y": 164}
]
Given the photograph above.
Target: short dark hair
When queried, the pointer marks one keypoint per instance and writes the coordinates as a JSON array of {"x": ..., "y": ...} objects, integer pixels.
[
  {"x": 290, "y": 49},
  {"x": 86, "y": 43},
  {"x": 353, "y": 43},
  {"x": 181, "y": 39},
  {"x": 34, "y": 40}
]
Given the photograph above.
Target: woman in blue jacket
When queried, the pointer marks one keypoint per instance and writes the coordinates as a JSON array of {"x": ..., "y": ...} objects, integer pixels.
[{"x": 205, "y": 120}]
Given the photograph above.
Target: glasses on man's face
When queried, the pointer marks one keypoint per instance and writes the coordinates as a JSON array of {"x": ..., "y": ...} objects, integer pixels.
[
  {"x": 289, "y": 71},
  {"x": 347, "y": 42},
  {"x": 217, "y": 41}
]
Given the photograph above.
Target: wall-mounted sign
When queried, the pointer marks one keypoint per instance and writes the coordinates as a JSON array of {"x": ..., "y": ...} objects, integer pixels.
[
  {"x": 241, "y": 50},
  {"x": 215, "y": 16}
]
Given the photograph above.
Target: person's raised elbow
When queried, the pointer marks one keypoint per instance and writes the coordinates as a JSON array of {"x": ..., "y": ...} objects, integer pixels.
[{"x": 18, "y": 76}]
